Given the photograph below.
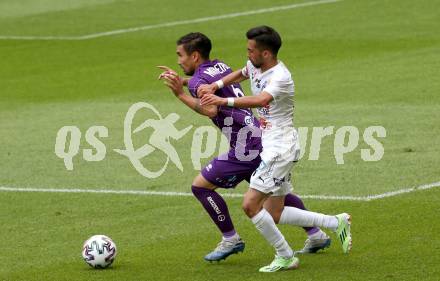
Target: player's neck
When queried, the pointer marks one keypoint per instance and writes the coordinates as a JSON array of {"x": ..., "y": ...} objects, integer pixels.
[
  {"x": 269, "y": 65},
  {"x": 200, "y": 62}
]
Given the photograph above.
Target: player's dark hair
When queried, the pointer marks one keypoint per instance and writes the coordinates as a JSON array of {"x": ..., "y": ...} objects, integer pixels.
[
  {"x": 196, "y": 42},
  {"x": 266, "y": 38}
]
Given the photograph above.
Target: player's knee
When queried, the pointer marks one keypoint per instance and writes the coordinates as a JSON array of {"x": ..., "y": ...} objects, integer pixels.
[
  {"x": 200, "y": 182},
  {"x": 196, "y": 190},
  {"x": 197, "y": 181},
  {"x": 249, "y": 209}
]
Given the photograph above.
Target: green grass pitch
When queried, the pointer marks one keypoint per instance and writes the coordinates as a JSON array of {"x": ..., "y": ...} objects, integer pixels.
[{"x": 355, "y": 63}]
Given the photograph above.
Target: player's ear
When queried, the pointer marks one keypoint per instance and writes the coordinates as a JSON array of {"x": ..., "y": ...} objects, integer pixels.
[
  {"x": 266, "y": 54},
  {"x": 195, "y": 56}
]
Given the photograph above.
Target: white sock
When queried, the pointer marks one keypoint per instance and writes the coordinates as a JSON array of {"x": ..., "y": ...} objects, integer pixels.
[
  {"x": 295, "y": 216},
  {"x": 264, "y": 222}
]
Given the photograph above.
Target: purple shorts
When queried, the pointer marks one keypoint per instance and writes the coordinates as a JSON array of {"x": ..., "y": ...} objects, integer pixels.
[{"x": 229, "y": 173}]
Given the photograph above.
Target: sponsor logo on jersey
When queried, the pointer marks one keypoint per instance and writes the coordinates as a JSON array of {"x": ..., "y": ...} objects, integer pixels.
[{"x": 248, "y": 120}]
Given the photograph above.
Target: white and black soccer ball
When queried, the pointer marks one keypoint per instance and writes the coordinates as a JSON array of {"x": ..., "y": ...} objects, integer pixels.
[{"x": 99, "y": 251}]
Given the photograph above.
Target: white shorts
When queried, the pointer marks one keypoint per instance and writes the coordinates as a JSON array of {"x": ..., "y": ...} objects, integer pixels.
[{"x": 274, "y": 173}]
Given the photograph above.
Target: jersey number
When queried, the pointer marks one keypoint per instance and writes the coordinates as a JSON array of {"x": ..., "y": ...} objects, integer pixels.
[{"x": 237, "y": 91}]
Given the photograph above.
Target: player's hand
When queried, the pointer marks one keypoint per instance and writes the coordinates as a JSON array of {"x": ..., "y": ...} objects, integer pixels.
[
  {"x": 184, "y": 81},
  {"x": 212, "y": 100},
  {"x": 166, "y": 70},
  {"x": 172, "y": 80},
  {"x": 206, "y": 89}
]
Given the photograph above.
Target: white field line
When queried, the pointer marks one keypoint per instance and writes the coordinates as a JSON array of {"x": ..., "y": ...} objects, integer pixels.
[
  {"x": 172, "y": 193},
  {"x": 169, "y": 24}
]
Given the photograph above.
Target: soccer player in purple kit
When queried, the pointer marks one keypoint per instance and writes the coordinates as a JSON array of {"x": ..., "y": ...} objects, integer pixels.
[{"x": 228, "y": 170}]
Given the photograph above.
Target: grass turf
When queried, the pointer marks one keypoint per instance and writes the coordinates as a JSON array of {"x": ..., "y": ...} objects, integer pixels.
[{"x": 163, "y": 238}]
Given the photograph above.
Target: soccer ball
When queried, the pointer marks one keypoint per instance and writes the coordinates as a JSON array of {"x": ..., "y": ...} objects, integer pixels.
[{"x": 99, "y": 251}]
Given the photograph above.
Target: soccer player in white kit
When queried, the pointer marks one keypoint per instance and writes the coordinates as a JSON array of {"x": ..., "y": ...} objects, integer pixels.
[{"x": 273, "y": 90}]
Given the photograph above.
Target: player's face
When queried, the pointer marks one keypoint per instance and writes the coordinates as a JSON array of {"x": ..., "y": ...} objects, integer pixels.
[
  {"x": 185, "y": 61},
  {"x": 255, "y": 55}
]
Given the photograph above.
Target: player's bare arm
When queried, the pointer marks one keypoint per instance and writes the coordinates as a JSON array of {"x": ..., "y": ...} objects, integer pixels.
[
  {"x": 173, "y": 81},
  {"x": 260, "y": 100},
  {"x": 231, "y": 78}
]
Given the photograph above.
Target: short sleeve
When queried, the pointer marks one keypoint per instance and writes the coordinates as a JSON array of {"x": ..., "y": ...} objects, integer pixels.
[
  {"x": 244, "y": 72},
  {"x": 277, "y": 85}
]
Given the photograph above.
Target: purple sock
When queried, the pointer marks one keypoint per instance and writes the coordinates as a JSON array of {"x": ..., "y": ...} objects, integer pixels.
[
  {"x": 292, "y": 200},
  {"x": 216, "y": 208}
]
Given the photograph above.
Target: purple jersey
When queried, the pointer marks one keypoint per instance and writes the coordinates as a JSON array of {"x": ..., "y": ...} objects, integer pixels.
[{"x": 229, "y": 120}]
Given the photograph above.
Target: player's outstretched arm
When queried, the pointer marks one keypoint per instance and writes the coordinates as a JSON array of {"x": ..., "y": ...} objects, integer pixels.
[
  {"x": 194, "y": 104},
  {"x": 260, "y": 100},
  {"x": 173, "y": 81},
  {"x": 231, "y": 78}
]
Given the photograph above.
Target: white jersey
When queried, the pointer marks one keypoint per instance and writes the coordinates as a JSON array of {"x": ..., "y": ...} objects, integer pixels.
[{"x": 276, "y": 119}]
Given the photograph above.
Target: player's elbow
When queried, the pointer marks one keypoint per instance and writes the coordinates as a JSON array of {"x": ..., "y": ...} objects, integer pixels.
[
  {"x": 264, "y": 100},
  {"x": 211, "y": 111},
  {"x": 211, "y": 114}
]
